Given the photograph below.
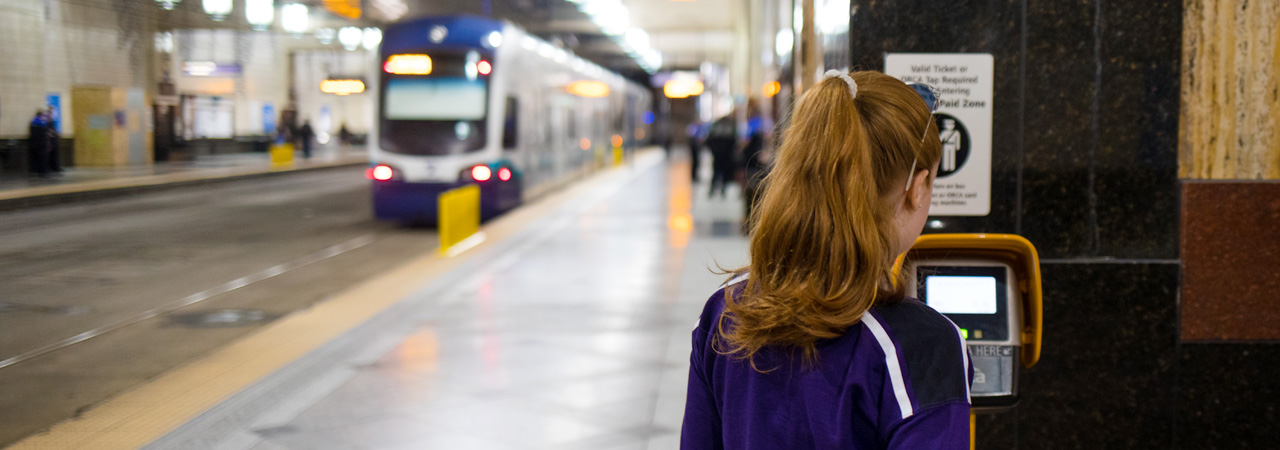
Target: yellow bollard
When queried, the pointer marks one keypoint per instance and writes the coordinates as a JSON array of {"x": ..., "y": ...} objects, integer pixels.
[
  {"x": 281, "y": 154},
  {"x": 458, "y": 215},
  {"x": 617, "y": 156}
]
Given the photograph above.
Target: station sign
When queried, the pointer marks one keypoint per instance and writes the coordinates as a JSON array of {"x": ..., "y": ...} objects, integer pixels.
[
  {"x": 342, "y": 86},
  {"x": 210, "y": 69},
  {"x": 966, "y": 83}
]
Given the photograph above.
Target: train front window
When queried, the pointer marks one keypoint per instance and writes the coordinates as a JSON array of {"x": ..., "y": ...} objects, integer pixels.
[
  {"x": 439, "y": 113},
  {"x": 445, "y": 99}
]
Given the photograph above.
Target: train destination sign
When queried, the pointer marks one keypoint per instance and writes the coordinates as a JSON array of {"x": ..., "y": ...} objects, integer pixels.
[{"x": 966, "y": 80}]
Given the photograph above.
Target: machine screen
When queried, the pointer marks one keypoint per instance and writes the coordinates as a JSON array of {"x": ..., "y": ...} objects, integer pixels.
[
  {"x": 961, "y": 294},
  {"x": 974, "y": 297}
]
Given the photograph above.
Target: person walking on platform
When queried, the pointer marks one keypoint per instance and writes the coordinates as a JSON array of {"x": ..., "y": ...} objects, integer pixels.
[
  {"x": 344, "y": 136},
  {"x": 55, "y": 159},
  {"x": 722, "y": 140},
  {"x": 813, "y": 344},
  {"x": 305, "y": 135},
  {"x": 755, "y": 161},
  {"x": 38, "y": 145},
  {"x": 695, "y": 147}
]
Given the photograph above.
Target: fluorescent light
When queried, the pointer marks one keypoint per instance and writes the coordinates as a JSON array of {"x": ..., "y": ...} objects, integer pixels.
[
  {"x": 638, "y": 38},
  {"x": 784, "y": 41},
  {"x": 260, "y": 13},
  {"x": 294, "y": 18},
  {"x": 349, "y": 37},
  {"x": 586, "y": 88},
  {"x": 372, "y": 37},
  {"x": 833, "y": 17},
  {"x": 217, "y": 9}
]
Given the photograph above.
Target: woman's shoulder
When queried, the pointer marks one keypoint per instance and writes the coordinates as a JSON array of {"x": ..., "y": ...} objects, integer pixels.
[
  {"x": 916, "y": 326},
  {"x": 933, "y": 357},
  {"x": 914, "y": 314},
  {"x": 714, "y": 307}
]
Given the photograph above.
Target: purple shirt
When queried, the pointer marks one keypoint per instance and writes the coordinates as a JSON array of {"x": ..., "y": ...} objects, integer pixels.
[{"x": 899, "y": 379}]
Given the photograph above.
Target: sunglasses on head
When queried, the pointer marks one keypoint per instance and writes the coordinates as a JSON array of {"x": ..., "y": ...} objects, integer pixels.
[{"x": 930, "y": 96}]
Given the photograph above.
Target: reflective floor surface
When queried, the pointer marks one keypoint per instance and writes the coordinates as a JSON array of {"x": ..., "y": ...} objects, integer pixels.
[{"x": 574, "y": 334}]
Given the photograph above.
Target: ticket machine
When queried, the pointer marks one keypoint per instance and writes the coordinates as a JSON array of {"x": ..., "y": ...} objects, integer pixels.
[{"x": 989, "y": 285}]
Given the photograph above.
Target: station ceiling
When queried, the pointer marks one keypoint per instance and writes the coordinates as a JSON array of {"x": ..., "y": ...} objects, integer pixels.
[{"x": 687, "y": 32}]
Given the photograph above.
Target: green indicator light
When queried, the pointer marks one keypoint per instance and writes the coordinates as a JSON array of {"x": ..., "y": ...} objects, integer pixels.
[{"x": 965, "y": 333}]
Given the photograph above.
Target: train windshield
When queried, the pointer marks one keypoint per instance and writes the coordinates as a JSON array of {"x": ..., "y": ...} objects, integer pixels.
[
  {"x": 435, "y": 99},
  {"x": 439, "y": 113}
]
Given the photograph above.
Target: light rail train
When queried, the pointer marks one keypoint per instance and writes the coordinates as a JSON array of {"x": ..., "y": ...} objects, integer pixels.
[{"x": 468, "y": 100}]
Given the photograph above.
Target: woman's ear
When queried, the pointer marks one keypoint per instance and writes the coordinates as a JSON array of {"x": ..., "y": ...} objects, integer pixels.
[{"x": 919, "y": 192}]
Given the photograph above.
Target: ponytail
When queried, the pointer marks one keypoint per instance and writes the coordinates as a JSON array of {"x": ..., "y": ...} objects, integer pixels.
[{"x": 823, "y": 232}]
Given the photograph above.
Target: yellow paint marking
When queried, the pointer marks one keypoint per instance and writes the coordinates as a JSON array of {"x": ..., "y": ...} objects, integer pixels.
[
  {"x": 167, "y": 178},
  {"x": 149, "y": 411}
]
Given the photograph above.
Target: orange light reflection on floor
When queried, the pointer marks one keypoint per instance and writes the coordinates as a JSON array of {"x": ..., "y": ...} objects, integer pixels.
[
  {"x": 679, "y": 203},
  {"x": 419, "y": 352}
]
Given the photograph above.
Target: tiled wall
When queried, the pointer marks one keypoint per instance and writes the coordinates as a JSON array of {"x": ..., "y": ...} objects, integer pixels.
[
  {"x": 50, "y": 45},
  {"x": 1085, "y": 165}
]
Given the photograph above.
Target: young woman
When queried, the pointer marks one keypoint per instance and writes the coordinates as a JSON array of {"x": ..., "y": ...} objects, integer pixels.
[{"x": 813, "y": 345}]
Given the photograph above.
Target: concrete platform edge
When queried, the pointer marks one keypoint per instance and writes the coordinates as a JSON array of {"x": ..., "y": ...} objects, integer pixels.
[{"x": 76, "y": 196}]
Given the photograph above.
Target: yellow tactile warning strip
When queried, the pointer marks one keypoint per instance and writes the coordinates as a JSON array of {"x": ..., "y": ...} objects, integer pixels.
[
  {"x": 169, "y": 178},
  {"x": 149, "y": 411}
]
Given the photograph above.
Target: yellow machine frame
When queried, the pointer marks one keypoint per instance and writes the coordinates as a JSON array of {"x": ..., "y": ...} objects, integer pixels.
[{"x": 1011, "y": 249}]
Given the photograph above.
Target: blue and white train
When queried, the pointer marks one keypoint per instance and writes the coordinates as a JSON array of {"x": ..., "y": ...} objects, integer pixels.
[{"x": 465, "y": 100}]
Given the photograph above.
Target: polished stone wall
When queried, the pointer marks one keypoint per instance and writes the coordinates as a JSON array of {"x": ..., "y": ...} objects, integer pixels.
[{"x": 1085, "y": 164}]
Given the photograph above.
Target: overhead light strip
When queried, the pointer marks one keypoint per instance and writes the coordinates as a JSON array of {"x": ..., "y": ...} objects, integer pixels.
[{"x": 613, "y": 18}]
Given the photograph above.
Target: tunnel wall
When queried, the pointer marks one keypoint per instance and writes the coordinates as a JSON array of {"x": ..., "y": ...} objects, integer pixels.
[{"x": 1086, "y": 165}]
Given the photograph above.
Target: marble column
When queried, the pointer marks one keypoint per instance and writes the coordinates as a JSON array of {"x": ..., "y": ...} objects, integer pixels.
[
  {"x": 1229, "y": 161},
  {"x": 1230, "y": 123}
]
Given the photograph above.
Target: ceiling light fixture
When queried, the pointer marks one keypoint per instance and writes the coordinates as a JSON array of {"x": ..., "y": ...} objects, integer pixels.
[
  {"x": 349, "y": 37},
  {"x": 260, "y": 13},
  {"x": 295, "y": 18},
  {"x": 218, "y": 10}
]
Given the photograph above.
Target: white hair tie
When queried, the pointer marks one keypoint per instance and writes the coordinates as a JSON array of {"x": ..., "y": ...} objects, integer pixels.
[{"x": 853, "y": 85}]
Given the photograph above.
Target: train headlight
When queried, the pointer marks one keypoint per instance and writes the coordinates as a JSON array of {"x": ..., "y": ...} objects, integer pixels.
[
  {"x": 380, "y": 172},
  {"x": 481, "y": 173},
  {"x": 504, "y": 174}
]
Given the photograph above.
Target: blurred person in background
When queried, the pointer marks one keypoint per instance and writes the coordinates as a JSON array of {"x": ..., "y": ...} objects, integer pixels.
[
  {"x": 38, "y": 144},
  {"x": 722, "y": 140},
  {"x": 344, "y": 135},
  {"x": 51, "y": 120},
  {"x": 755, "y": 160},
  {"x": 283, "y": 133},
  {"x": 304, "y": 136},
  {"x": 695, "y": 132}
]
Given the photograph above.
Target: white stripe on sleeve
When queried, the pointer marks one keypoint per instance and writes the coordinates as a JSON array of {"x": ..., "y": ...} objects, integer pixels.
[
  {"x": 737, "y": 279},
  {"x": 891, "y": 361}
]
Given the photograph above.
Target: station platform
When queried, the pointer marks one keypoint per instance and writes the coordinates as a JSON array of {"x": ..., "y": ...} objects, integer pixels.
[
  {"x": 568, "y": 327},
  {"x": 23, "y": 190}
]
